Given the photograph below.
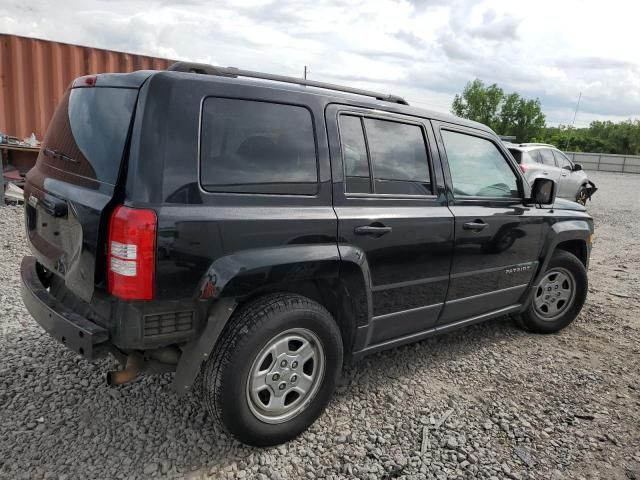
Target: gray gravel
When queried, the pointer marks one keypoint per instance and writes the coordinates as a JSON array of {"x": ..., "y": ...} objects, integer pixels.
[{"x": 487, "y": 402}]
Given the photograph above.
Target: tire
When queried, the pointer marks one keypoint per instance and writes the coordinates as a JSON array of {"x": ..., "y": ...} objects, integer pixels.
[
  {"x": 261, "y": 337},
  {"x": 581, "y": 196},
  {"x": 552, "y": 310}
]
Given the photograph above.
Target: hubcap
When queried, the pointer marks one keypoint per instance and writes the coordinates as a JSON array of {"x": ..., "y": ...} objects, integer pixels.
[
  {"x": 554, "y": 294},
  {"x": 285, "y": 375}
]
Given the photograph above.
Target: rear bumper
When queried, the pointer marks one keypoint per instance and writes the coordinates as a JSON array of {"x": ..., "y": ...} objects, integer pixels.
[{"x": 76, "y": 332}]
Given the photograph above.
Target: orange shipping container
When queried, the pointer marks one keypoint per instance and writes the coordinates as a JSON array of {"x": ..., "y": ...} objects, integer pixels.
[{"x": 34, "y": 75}]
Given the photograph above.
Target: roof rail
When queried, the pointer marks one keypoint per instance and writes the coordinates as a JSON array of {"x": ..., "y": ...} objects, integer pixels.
[
  {"x": 207, "y": 69},
  {"x": 533, "y": 144}
]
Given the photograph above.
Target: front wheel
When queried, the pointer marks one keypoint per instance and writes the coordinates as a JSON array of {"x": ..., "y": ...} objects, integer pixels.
[
  {"x": 558, "y": 297},
  {"x": 582, "y": 196},
  {"x": 274, "y": 369}
]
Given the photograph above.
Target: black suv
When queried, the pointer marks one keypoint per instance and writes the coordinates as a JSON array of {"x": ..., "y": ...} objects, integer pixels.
[{"x": 252, "y": 234}]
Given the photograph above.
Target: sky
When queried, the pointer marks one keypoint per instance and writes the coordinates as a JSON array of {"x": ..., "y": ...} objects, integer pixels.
[{"x": 424, "y": 50}]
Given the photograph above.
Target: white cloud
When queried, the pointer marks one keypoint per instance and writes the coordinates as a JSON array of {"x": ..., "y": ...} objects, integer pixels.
[{"x": 425, "y": 50}]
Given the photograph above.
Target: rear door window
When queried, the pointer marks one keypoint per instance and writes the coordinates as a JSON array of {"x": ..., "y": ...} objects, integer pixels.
[
  {"x": 354, "y": 154},
  {"x": 535, "y": 154},
  {"x": 547, "y": 157},
  {"x": 398, "y": 157},
  {"x": 257, "y": 147},
  {"x": 392, "y": 153}
]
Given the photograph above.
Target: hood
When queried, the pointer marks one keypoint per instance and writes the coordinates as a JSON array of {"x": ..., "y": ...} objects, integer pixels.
[{"x": 562, "y": 204}]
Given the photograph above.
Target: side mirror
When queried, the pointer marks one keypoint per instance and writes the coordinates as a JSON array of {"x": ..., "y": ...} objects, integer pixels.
[
  {"x": 577, "y": 167},
  {"x": 543, "y": 191}
]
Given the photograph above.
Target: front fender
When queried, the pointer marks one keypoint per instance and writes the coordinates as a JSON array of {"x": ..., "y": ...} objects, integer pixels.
[{"x": 560, "y": 231}]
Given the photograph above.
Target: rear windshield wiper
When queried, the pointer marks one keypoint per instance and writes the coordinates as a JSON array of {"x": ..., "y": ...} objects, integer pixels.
[{"x": 53, "y": 153}]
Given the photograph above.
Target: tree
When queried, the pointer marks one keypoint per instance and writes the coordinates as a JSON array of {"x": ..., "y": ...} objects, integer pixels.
[
  {"x": 600, "y": 137},
  {"x": 507, "y": 114}
]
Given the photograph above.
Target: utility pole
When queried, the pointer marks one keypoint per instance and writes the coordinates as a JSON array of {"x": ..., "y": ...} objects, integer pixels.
[
  {"x": 575, "y": 114},
  {"x": 305, "y": 72}
]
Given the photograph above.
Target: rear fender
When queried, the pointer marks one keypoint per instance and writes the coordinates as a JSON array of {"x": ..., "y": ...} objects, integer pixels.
[{"x": 233, "y": 278}]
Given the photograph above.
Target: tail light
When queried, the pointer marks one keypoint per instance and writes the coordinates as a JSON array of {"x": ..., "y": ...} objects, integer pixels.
[
  {"x": 524, "y": 167},
  {"x": 132, "y": 253}
]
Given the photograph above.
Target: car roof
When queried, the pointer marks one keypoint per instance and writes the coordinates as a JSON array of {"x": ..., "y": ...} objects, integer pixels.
[{"x": 332, "y": 96}]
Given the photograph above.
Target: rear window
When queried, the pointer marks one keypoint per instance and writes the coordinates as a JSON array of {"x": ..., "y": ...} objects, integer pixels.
[
  {"x": 257, "y": 147},
  {"x": 88, "y": 132}
]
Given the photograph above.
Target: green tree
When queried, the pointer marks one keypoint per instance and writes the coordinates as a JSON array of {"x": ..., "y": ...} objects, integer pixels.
[
  {"x": 507, "y": 114},
  {"x": 600, "y": 137}
]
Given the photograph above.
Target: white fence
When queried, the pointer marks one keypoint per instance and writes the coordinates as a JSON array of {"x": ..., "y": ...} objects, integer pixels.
[{"x": 606, "y": 162}]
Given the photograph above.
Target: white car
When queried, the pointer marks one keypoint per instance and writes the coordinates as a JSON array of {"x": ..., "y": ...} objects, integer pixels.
[{"x": 540, "y": 160}]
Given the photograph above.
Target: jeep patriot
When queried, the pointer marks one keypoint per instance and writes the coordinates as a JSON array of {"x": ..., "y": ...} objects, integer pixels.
[{"x": 253, "y": 232}]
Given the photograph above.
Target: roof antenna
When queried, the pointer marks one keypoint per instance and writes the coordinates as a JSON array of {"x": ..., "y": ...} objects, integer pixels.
[{"x": 575, "y": 114}]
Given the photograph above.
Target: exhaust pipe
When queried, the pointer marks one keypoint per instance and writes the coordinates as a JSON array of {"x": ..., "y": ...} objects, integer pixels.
[{"x": 135, "y": 362}]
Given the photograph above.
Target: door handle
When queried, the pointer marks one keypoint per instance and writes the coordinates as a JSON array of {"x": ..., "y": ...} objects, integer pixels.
[
  {"x": 475, "y": 226},
  {"x": 545, "y": 173},
  {"x": 372, "y": 230}
]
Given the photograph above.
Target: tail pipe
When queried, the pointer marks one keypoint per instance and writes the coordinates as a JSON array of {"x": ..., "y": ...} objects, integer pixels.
[{"x": 135, "y": 363}]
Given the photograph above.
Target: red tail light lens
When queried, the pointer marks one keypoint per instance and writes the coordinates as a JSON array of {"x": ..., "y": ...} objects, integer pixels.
[
  {"x": 132, "y": 253},
  {"x": 524, "y": 167}
]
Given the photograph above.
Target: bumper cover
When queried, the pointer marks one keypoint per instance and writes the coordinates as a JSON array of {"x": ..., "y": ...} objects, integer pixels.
[{"x": 76, "y": 332}]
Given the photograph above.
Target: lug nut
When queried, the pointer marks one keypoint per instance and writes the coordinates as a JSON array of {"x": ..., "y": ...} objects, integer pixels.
[
  {"x": 282, "y": 386},
  {"x": 294, "y": 378},
  {"x": 283, "y": 363},
  {"x": 294, "y": 364},
  {"x": 276, "y": 377}
]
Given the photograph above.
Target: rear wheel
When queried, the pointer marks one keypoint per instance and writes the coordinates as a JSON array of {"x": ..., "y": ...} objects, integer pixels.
[
  {"x": 274, "y": 369},
  {"x": 559, "y": 296}
]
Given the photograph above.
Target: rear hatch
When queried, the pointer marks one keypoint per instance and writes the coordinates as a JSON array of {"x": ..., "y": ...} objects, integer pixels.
[{"x": 69, "y": 191}]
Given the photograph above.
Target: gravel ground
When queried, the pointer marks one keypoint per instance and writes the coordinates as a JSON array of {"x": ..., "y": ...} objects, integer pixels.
[{"x": 489, "y": 401}]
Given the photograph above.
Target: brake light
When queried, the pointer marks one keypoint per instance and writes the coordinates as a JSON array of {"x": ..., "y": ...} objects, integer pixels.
[
  {"x": 132, "y": 253},
  {"x": 524, "y": 167},
  {"x": 84, "y": 82}
]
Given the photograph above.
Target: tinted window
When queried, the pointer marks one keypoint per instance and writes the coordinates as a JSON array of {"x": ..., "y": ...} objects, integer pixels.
[
  {"x": 477, "y": 167},
  {"x": 88, "y": 133},
  {"x": 562, "y": 160},
  {"x": 517, "y": 154},
  {"x": 354, "y": 154},
  {"x": 398, "y": 157},
  {"x": 257, "y": 147},
  {"x": 547, "y": 157}
]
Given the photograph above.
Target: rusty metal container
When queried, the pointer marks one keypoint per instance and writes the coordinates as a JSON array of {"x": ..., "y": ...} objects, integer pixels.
[{"x": 34, "y": 75}]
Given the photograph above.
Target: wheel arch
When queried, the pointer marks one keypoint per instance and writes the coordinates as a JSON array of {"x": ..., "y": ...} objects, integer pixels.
[
  {"x": 573, "y": 236},
  {"x": 338, "y": 284}
]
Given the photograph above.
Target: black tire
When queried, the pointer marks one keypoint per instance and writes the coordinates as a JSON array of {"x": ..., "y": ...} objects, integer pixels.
[
  {"x": 581, "y": 196},
  {"x": 533, "y": 320},
  {"x": 225, "y": 375}
]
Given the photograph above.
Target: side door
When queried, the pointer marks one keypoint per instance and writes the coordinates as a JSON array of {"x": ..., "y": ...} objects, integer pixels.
[
  {"x": 550, "y": 168},
  {"x": 570, "y": 181},
  {"x": 497, "y": 237},
  {"x": 388, "y": 194}
]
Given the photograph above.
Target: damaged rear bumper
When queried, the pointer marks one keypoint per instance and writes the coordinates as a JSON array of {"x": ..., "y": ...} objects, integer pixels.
[{"x": 74, "y": 331}]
